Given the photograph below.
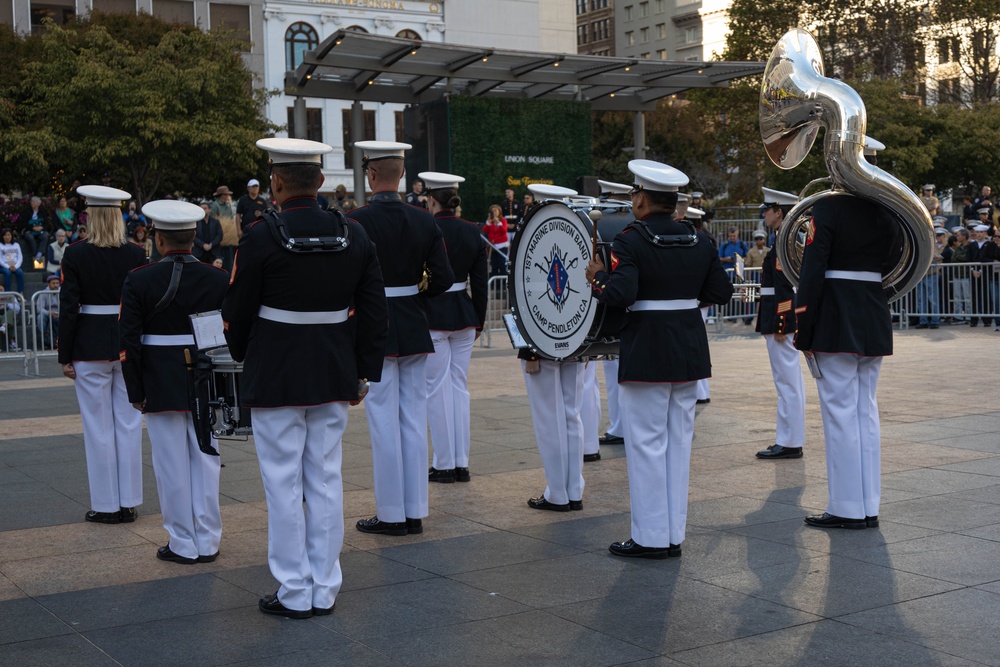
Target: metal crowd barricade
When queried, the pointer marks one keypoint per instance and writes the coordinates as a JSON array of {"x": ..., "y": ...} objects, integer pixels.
[
  {"x": 952, "y": 294},
  {"x": 743, "y": 305},
  {"x": 14, "y": 329},
  {"x": 45, "y": 325},
  {"x": 496, "y": 307}
]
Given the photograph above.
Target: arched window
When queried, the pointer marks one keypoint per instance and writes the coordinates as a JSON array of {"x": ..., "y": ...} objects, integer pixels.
[
  {"x": 355, "y": 28},
  {"x": 299, "y": 38},
  {"x": 408, "y": 34}
]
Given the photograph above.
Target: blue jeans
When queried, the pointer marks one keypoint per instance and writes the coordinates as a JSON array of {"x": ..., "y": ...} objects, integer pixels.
[
  {"x": 927, "y": 294},
  {"x": 6, "y": 278}
]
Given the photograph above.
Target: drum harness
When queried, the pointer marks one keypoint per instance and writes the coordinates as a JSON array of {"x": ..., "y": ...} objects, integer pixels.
[
  {"x": 279, "y": 230},
  {"x": 668, "y": 240}
]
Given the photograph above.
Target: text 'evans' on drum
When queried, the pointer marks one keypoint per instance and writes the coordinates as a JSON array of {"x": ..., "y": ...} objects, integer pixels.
[
  {"x": 547, "y": 283},
  {"x": 227, "y": 418}
]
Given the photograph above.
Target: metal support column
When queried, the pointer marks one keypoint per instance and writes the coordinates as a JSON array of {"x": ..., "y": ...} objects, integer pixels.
[
  {"x": 299, "y": 116},
  {"x": 639, "y": 134},
  {"x": 358, "y": 134}
]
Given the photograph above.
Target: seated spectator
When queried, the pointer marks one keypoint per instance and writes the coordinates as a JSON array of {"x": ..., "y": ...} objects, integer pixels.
[
  {"x": 55, "y": 252},
  {"x": 47, "y": 315},
  {"x": 730, "y": 248},
  {"x": 495, "y": 230},
  {"x": 9, "y": 310},
  {"x": 36, "y": 230},
  {"x": 10, "y": 260},
  {"x": 65, "y": 217}
]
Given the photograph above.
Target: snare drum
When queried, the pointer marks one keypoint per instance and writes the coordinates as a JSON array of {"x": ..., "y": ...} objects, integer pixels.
[
  {"x": 547, "y": 285},
  {"x": 227, "y": 417}
]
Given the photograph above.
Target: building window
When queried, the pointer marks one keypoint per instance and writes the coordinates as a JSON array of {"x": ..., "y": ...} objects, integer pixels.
[
  {"x": 692, "y": 35},
  {"x": 643, "y": 9},
  {"x": 115, "y": 6},
  {"x": 662, "y": 54},
  {"x": 398, "y": 117},
  {"x": 369, "y": 134},
  {"x": 660, "y": 6},
  {"x": 628, "y": 13},
  {"x": 299, "y": 38},
  {"x": 174, "y": 11},
  {"x": 59, "y": 13},
  {"x": 644, "y": 56},
  {"x": 581, "y": 34},
  {"x": 950, "y": 91},
  {"x": 661, "y": 31},
  {"x": 355, "y": 28},
  {"x": 643, "y": 35},
  {"x": 948, "y": 50},
  {"x": 314, "y": 124},
  {"x": 233, "y": 18},
  {"x": 581, "y": 6},
  {"x": 630, "y": 38},
  {"x": 409, "y": 34}
]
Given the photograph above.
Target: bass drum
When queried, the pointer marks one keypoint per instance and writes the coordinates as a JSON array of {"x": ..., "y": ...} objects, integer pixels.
[{"x": 547, "y": 284}]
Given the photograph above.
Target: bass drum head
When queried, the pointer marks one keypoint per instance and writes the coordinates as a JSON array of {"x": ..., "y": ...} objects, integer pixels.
[{"x": 548, "y": 288}]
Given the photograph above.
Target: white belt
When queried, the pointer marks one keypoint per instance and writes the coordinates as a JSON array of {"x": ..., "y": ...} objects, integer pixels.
[
  {"x": 98, "y": 310},
  {"x": 665, "y": 304},
  {"x": 408, "y": 290},
  {"x": 167, "y": 341},
  {"x": 303, "y": 317},
  {"x": 864, "y": 276},
  {"x": 767, "y": 291},
  {"x": 457, "y": 287}
]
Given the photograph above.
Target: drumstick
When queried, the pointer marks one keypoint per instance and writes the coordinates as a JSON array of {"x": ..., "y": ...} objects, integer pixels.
[{"x": 595, "y": 215}]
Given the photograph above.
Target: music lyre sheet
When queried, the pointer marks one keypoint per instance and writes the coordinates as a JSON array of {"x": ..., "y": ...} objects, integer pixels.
[{"x": 208, "y": 330}]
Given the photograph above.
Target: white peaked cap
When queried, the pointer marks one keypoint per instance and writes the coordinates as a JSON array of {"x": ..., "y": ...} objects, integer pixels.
[
  {"x": 294, "y": 151},
  {"x": 873, "y": 146},
  {"x": 656, "y": 176},
  {"x": 170, "y": 215},
  {"x": 778, "y": 197},
  {"x": 693, "y": 212},
  {"x": 436, "y": 180},
  {"x": 100, "y": 195},
  {"x": 380, "y": 150},
  {"x": 540, "y": 190},
  {"x": 613, "y": 188}
]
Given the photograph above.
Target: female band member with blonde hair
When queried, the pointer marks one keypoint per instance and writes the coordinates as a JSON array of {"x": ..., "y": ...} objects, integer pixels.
[{"x": 93, "y": 272}]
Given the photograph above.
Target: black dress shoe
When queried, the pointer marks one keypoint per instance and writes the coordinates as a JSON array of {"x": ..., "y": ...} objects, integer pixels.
[
  {"x": 462, "y": 475},
  {"x": 441, "y": 476},
  {"x": 164, "y": 553},
  {"x": 608, "y": 439},
  {"x": 779, "y": 452},
  {"x": 590, "y": 458},
  {"x": 376, "y": 527},
  {"x": 209, "y": 558},
  {"x": 103, "y": 517},
  {"x": 323, "y": 611},
  {"x": 128, "y": 514},
  {"x": 270, "y": 604},
  {"x": 414, "y": 526},
  {"x": 935, "y": 326},
  {"x": 871, "y": 521},
  {"x": 540, "y": 503},
  {"x": 576, "y": 505},
  {"x": 630, "y": 549},
  {"x": 921, "y": 326},
  {"x": 827, "y": 520},
  {"x": 700, "y": 401}
]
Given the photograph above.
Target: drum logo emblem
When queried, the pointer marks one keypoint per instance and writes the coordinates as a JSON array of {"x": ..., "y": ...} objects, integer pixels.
[{"x": 558, "y": 289}]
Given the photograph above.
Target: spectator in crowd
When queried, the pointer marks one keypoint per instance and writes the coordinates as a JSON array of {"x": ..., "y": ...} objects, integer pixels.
[
  {"x": 529, "y": 201},
  {"x": 10, "y": 260},
  {"x": 65, "y": 216},
  {"x": 985, "y": 213},
  {"x": 755, "y": 255},
  {"x": 927, "y": 294},
  {"x": 496, "y": 233},
  {"x": 731, "y": 247},
  {"x": 961, "y": 288},
  {"x": 55, "y": 252},
  {"x": 930, "y": 201},
  {"x": 968, "y": 211},
  {"x": 416, "y": 197},
  {"x": 217, "y": 263},
  {"x": 984, "y": 200},
  {"x": 511, "y": 209},
  {"x": 35, "y": 229},
  {"x": 250, "y": 206},
  {"x": 82, "y": 233},
  {"x": 983, "y": 252},
  {"x": 133, "y": 217},
  {"x": 47, "y": 314},
  {"x": 223, "y": 210},
  {"x": 9, "y": 310},
  {"x": 207, "y": 237},
  {"x": 342, "y": 201},
  {"x": 140, "y": 237}
]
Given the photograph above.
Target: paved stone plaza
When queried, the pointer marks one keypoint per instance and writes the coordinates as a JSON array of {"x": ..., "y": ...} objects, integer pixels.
[{"x": 493, "y": 582}]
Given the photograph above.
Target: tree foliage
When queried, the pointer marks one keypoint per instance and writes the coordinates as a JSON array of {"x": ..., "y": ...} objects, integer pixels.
[{"x": 162, "y": 107}]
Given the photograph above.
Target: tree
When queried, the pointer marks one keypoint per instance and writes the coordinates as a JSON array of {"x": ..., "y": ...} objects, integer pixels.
[
  {"x": 152, "y": 102},
  {"x": 966, "y": 37}
]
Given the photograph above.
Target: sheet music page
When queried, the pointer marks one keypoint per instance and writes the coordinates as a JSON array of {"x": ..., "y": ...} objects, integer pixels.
[
  {"x": 208, "y": 330},
  {"x": 516, "y": 339}
]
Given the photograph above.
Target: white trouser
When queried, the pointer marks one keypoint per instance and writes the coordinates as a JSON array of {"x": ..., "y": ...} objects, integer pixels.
[
  {"x": 555, "y": 394},
  {"x": 611, "y": 382},
  {"x": 448, "y": 397},
  {"x": 703, "y": 392},
  {"x": 299, "y": 449},
  {"x": 396, "y": 409},
  {"x": 790, "y": 429},
  {"x": 590, "y": 412},
  {"x": 852, "y": 432},
  {"x": 112, "y": 436},
  {"x": 659, "y": 428},
  {"x": 187, "y": 481}
]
